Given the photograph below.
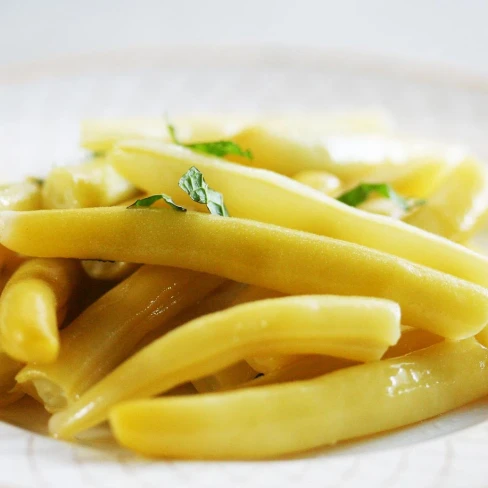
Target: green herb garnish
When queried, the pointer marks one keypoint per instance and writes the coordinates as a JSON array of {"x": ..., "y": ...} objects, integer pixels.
[
  {"x": 360, "y": 194},
  {"x": 216, "y": 148},
  {"x": 148, "y": 201},
  {"x": 193, "y": 183},
  {"x": 36, "y": 181}
]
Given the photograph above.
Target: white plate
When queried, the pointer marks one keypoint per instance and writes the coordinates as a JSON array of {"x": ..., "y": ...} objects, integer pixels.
[{"x": 41, "y": 106}]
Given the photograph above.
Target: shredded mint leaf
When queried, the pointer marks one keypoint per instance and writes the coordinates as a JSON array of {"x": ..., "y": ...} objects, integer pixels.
[
  {"x": 216, "y": 148},
  {"x": 220, "y": 148},
  {"x": 148, "y": 201},
  {"x": 172, "y": 134},
  {"x": 193, "y": 183},
  {"x": 361, "y": 193},
  {"x": 37, "y": 181}
]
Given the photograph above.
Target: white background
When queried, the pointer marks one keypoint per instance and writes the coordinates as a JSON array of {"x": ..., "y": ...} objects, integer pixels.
[{"x": 452, "y": 32}]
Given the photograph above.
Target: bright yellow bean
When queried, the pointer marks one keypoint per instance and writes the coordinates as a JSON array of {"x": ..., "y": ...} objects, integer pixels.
[
  {"x": 307, "y": 367},
  {"x": 304, "y": 368},
  {"x": 264, "y": 363},
  {"x": 294, "y": 417},
  {"x": 21, "y": 196},
  {"x": 351, "y": 327},
  {"x": 107, "y": 332},
  {"x": 412, "y": 340},
  {"x": 245, "y": 251},
  {"x": 92, "y": 184},
  {"x": 383, "y": 206},
  {"x": 459, "y": 206},
  {"x": 271, "y": 198},
  {"x": 233, "y": 375},
  {"x": 223, "y": 297},
  {"x": 229, "y": 294},
  {"x": 220, "y": 299},
  {"x": 32, "y": 307},
  {"x": 322, "y": 181},
  {"x": 100, "y": 135},
  {"x": 351, "y": 157},
  {"x": 8, "y": 369},
  {"x": 109, "y": 271}
]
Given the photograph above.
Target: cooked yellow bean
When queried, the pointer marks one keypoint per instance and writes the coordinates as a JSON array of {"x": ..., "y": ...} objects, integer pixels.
[
  {"x": 108, "y": 270},
  {"x": 304, "y": 368},
  {"x": 21, "y": 196},
  {"x": 32, "y": 307},
  {"x": 459, "y": 206},
  {"x": 349, "y": 156},
  {"x": 107, "y": 332},
  {"x": 233, "y": 375},
  {"x": 221, "y": 298},
  {"x": 293, "y": 417},
  {"x": 383, "y": 206},
  {"x": 8, "y": 369},
  {"x": 305, "y": 263},
  {"x": 229, "y": 294},
  {"x": 265, "y": 363},
  {"x": 4, "y": 255},
  {"x": 92, "y": 184},
  {"x": 351, "y": 327},
  {"x": 412, "y": 340},
  {"x": 368, "y": 121},
  {"x": 100, "y": 135},
  {"x": 320, "y": 180},
  {"x": 268, "y": 197}
]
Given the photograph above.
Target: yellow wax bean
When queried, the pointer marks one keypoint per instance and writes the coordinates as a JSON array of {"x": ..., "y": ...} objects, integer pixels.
[
  {"x": 32, "y": 307},
  {"x": 293, "y": 368},
  {"x": 351, "y": 327},
  {"x": 483, "y": 337},
  {"x": 304, "y": 368},
  {"x": 109, "y": 271},
  {"x": 8, "y": 369},
  {"x": 294, "y": 417},
  {"x": 4, "y": 255},
  {"x": 264, "y": 363},
  {"x": 328, "y": 123},
  {"x": 100, "y": 135},
  {"x": 410, "y": 341},
  {"x": 268, "y": 197},
  {"x": 92, "y": 184},
  {"x": 254, "y": 293},
  {"x": 350, "y": 157},
  {"x": 245, "y": 251},
  {"x": 459, "y": 206},
  {"x": 229, "y": 294},
  {"x": 107, "y": 332},
  {"x": 320, "y": 180},
  {"x": 21, "y": 196},
  {"x": 233, "y": 375},
  {"x": 220, "y": 299},
  {"x": 383, "y": 206}
]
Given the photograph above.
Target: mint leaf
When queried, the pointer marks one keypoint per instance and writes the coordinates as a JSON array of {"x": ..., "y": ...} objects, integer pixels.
[
  {"x": 172, "y": 134},
  {"x": 361, "y": 193},
  {"x": 216, "y": 148},
  {"x": 148, "y": 201},
  {"x": 220, "y": 148},
  {"x": 193, "y": 183}
]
